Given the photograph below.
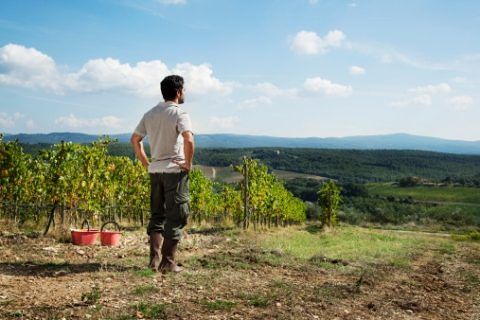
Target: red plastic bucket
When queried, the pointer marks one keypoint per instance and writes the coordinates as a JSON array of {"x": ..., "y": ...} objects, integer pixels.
[
  {"x": 84, "y": 237},
  {"x": 110, "y": 238}
]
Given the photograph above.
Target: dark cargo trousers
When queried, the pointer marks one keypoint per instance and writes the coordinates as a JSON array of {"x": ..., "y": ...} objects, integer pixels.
[{"x": 169, "y": 204}]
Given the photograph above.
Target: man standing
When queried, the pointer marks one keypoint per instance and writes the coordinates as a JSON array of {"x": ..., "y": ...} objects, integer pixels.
[{"x": 170, "y": 135}]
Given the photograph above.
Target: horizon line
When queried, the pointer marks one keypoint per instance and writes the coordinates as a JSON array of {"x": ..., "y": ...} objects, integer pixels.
[{"x": 255, "y": 135}]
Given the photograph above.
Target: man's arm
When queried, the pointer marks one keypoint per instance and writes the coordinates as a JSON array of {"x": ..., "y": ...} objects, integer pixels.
[
  {"x": 188, "y": 150},
  {"x": 137, "y": 143}
]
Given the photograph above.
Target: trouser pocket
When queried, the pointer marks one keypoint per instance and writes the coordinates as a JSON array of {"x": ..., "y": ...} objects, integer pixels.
[{"x": 182, "y": 193}]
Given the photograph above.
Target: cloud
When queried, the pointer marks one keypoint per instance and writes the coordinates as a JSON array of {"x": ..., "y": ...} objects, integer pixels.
[
  {"x": 308, "y": 42},
  {"x": 432, "y": 89},
  {"x": 174, "y": 2},
  {"x": 28, "y": 67},
  {"x": 30, "y": 124},
  {"x": 422, "y": 100},
  {"x": 461, "y": 102},
  {"x": 72, "y": 121},
  {"x": 9, "y": 121},
  {"x": 312, "y": 2},
  {"x": 356, "y": 70},
  {"x": 271, "y": 90},
  {"x": 200, "y": 79},
  {"x": 225, "y": 122},
  {"x": 423, "y": 95},
  {"x": 327, "y": 87},
  {"x": 255, "y": 102}
]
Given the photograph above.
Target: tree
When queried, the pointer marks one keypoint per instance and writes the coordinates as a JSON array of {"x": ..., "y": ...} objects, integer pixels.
[
  {"x": 354, "y": 190},
  {"x": 329, "y": 200}
]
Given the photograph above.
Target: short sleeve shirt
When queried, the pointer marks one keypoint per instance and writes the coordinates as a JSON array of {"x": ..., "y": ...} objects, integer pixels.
[{"x": 164, "y": 125}]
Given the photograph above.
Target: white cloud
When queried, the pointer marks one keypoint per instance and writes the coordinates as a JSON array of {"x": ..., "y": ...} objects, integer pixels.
[
  {"x": 9, "y": 121},
  {"x": 422, "y": 100},
  {"x": 423, "y": 95},
  {"x": 308, "y": 42},
  {"x": 72, "y": 121},
  {"x": 30, "y": 124},
  {"x": 109, "y": 74},
  {"x": 271, "y": 90},
  {"x": 356, "y": 70},
  {"x": 327, "y": 87},
  {"x": 461, "y": 102},
  {"x": 27, "y": 67},
  {"x": 255, "y": 102},
  {"x": 225, "y": 122},
  {"x": 199, "y": 79},
  {"x": 313, "y": 1},
  {"x": 432, "y": 89},
  {"x": 174, "y": 2}
]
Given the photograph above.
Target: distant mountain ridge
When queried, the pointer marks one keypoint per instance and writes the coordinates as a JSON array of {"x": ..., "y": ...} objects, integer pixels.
[{"x": 399, "y": 141}]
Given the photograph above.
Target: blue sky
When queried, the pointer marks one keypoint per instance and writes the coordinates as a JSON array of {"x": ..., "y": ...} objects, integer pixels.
[{"x": 295, "y": 68}]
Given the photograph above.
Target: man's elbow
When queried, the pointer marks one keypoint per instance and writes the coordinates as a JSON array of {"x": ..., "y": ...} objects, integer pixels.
[{"x": 135, "y": 139}]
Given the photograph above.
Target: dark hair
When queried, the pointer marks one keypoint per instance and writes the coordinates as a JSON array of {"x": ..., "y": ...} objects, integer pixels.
[{"x": 170, "y": 86}]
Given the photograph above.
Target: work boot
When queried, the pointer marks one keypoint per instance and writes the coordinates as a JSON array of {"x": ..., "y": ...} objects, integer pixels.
[
  {"x": 155, "y": 245},
  {"x": 168, "y": 264}
]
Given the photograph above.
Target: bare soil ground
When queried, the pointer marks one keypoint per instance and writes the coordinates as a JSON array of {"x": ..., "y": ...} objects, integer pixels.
[{"x": 231, "y": 275}]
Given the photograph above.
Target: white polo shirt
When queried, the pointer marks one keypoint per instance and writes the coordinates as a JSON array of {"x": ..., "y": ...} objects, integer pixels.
[{"x": 164, "y": 125}]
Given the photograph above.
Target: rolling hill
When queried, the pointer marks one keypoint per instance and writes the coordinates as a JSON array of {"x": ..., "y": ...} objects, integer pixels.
[{"x": 399, "y": 141}]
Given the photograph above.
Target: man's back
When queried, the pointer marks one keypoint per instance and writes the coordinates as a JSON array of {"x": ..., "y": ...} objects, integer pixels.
[{"x": 163, "y": 124}]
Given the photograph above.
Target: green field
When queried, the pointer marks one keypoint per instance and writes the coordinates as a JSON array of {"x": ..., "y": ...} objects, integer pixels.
[
  {"x": 353, "y": 244},
  {"x": 463, "y": 195}
]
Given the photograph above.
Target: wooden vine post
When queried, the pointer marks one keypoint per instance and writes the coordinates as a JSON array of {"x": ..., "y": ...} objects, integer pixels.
[{"x": 245, "y": 193}]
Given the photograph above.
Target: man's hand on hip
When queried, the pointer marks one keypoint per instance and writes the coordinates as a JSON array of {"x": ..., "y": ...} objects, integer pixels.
[{"x": 184, "y": 166}]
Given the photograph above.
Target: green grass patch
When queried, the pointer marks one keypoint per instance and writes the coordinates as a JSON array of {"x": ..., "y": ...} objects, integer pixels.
[
  {"x": 144, "y": 289},
  {"x": 349, "y": 244},
  {"x": 279, "y": 284},
  {"x": 92, "y": 296},
  {"x": 259, "y": 300},
  {"x": 446, "y": 247},
  {"x": 151, "y": 310},
  {"x": 147, "y": 273},
  {"x": 218, "y": 304},
  {"x": 471, "y": 236}
]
